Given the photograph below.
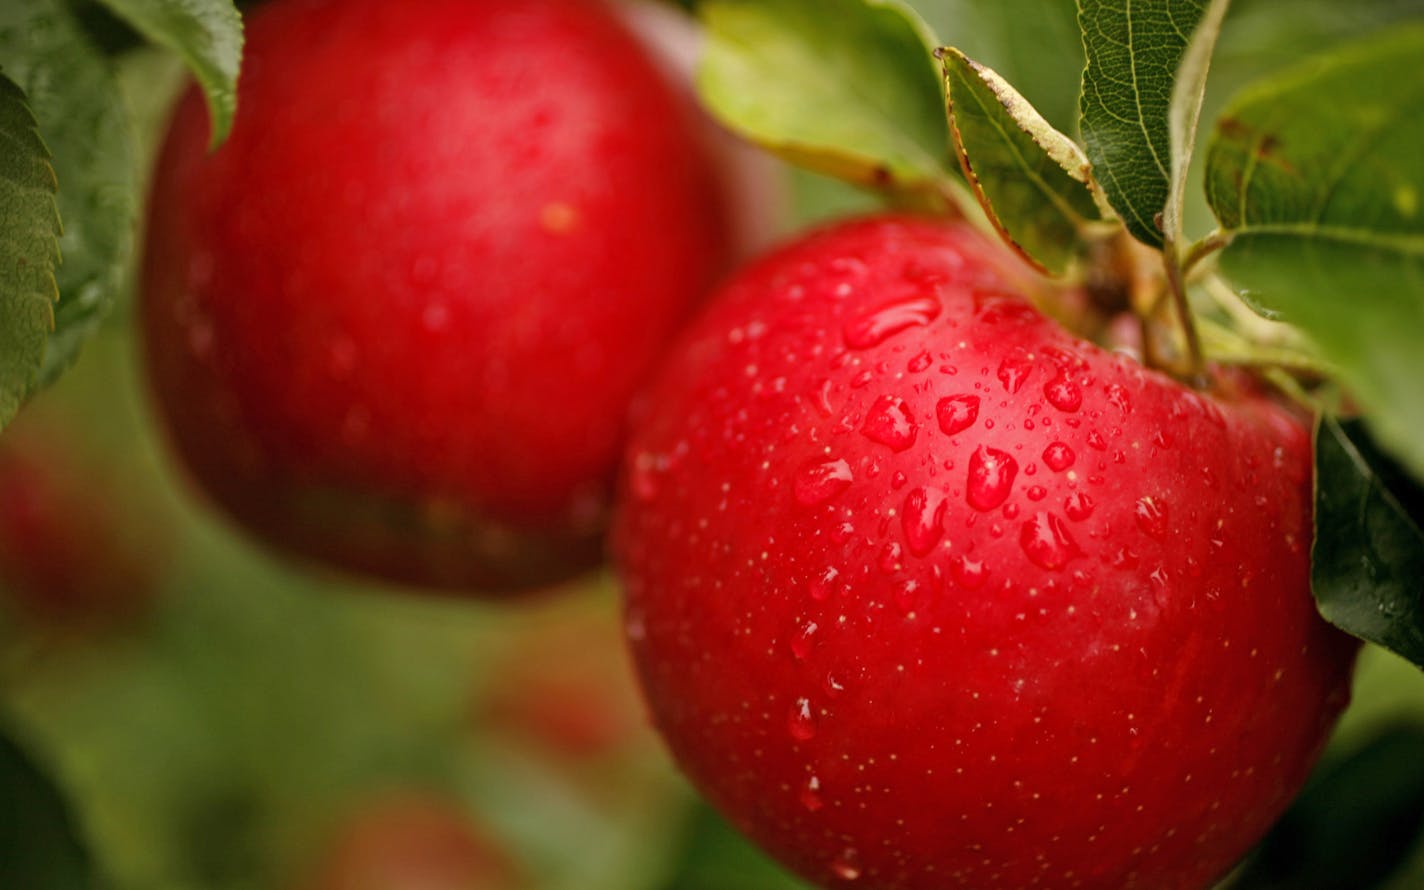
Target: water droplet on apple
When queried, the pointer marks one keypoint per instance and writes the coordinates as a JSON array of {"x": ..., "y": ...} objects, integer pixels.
[
  {"x": 876, "y": 327},
  {"x": 1013, "y": 371},
  {"x": 991, "y": 477},
  {"x": 1078, "y": 506},
  {"x": 1063, "y": 394},
  {"x": 803, "y": 641},
  {"x": 643, "y": 477},
  {"x": 1058, "y": 456},
  {"x": 811, "y": 795},
  {"x": 906, "y": 594},
  {"x": 1036, "y": 492},
  {"x": 1117, "y": 397},
  {"x": 968, "y": 573},
  {"x": 891, "y": 558},
  {"x": 890, "y": 423},
  {"x": 799, "y": 721},
  {"x": 920, "y": 363},
  {"x": 1047, "y": 542},
  {"x": 846, "y": 866},
  {"x": 1151, "y": 517},
  {"x": 1096, "y": 441},
  {"x": 820, "y": 586},
  {"x": 819, "y": 481},
  {"x": 957, "y": 413},
  {"x": 922, "y": 518}
]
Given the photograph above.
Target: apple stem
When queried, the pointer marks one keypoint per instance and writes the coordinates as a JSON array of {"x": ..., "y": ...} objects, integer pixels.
[{"x": 1177, "y": 286}]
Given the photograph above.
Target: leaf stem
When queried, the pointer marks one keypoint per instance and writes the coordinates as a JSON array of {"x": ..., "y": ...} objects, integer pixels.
[
  {"x": 1202, "y": 249},
  {"x": 1177, "y": 287}
]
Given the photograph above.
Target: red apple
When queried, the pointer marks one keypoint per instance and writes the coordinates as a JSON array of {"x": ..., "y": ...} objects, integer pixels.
[
  {"x": 394, "y": 322},
  {"x": 411, "y": 841},
  {"x": 76, "y": 549},
  {"x": 925, "y": 592}
]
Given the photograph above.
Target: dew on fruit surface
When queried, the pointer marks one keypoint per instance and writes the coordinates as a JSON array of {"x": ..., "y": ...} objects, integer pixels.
[
  {"x": 1014, "y": 370},
  {"x": 799, "y": 721},
  {"x": 1096, "y": 441},
  {"x": 1058, "y": 456},
  {"x": 906, "y": 594},
  {"x": 922, "y": 518},
  {"x": 1078, "y": 506},
  {"x": 898, "y": 480},
  {"x": 1011, "y": 510},
  {"x": 891, "y": 558},
  {"x": 846, "y": 867},
  {"x": 1151, "y": 517},
  {"x": 878, "y": 326},
  {"x": 890, "y": 423},
  {"x": 811, "y": 795},
  {"x": 920, "y": 363},
  {"x": 991, "y": 477},
  {"x": 803, "y": 641},
  {"x": 832, "y": 685},
  {"x": 968, "y": 573},
  {"x": 1123, "y": 558},
  {"x": 841, "y": 532},
  {"x": 1063, "y": 394},
  {"x": 1036, "y": 492},
  {"x": 1117, "y": 397},
  {"x": 957, "y": 413},
  {"x": 820, "y": 586},
  {"x": 819, "y": 481},
  {"x": 1047, "y": 543},
  {"x": 643, "y": 477}
]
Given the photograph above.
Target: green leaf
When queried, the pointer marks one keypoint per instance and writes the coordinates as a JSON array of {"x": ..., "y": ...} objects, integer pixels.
[
  {"x": 74, "y": 96},
  {"x": 1353, "y": 825},
  {"x": 1367, "y": 566},
  {"x": 207, "y": 34},
  {"x": 29, "y": 248},
  {"x": 1031, "y": 180},
  {"x": 847, "y": 88},
  {"x": 39, "y": 844},
  {"x": 1133, "y": 52},
  {"x": 1317, "y": 175},
  {"x": 1188, "y": 94},
  {"x": 1033, "y": 44}
]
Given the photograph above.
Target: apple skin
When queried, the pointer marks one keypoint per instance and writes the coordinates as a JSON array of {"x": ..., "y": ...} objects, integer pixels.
[
  {"x": 411, "y": 840},
  {"x": 393, "y": 324},
  {"x": 1109, "y": 673},
  {"x": 73, "y": 555}
]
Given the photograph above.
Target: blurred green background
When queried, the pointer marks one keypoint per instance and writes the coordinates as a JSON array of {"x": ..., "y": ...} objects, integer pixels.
[{"x": 200, "y": 714}]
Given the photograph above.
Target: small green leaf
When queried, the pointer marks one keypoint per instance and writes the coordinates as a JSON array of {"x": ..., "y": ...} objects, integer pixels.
[
  {"x": 1367, "y": 566},
  {"x": 1033, "y": 44},
  {"x": 1031, "y": 180},
  {"x": 29, "y": 248},
  {"x": 72, "y": 90},
  {"x": 844, "y": 87},
  {"x": 1317, "y": 176},
  {"x": 1354, "y": 825},
  {"x": 39, "y": 844},
  {"x": 207, "y": 34},
  {"x": 1133, "y": 52},
  {"x": 1188, "y": 93}
]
